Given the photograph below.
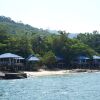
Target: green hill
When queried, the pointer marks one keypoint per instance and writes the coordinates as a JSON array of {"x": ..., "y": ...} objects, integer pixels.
[{"x": 20, "y": 28}]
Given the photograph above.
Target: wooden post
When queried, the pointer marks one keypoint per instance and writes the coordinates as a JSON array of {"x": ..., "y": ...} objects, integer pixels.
[{"x": 10, "y": 61}]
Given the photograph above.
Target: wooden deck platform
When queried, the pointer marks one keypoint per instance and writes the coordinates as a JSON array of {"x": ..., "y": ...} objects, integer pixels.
[{"x": 7, "y": 75}]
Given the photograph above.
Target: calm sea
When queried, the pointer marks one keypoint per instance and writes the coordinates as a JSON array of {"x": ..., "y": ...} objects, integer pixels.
[{"x": 83, "y": 86}]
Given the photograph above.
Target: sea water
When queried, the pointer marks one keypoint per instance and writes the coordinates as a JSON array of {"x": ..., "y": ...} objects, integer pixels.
[{"x": 82, "y": 86}]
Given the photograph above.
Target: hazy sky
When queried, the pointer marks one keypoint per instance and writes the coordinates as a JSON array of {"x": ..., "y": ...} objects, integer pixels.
[{"x": 70, "y": 15}]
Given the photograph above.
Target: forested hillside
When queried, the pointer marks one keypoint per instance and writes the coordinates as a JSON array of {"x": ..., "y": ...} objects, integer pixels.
[
  {"x": 91, "y": 39},
  {"x": 19, "y": 28},
  {"x": 24, "y": 40}
]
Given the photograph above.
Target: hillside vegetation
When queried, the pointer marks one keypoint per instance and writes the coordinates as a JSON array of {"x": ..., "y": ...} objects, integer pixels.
[{"x": 24, "y": 40}]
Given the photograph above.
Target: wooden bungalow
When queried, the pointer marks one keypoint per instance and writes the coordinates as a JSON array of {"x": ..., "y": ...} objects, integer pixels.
[
  {"x": 31, "y": 63},
  {"x": 60, "y": 62},
  {"x": 96, "y": 61},
  {"x": 11, "y": 62},
  {"x": 80, "y": 62}
]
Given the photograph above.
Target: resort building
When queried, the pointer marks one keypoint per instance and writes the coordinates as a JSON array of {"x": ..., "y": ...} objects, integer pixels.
[
  {"x": 96, "y": 61},
  {"x": 31, "y": 62},
  {"x": 11, "y": 62},
  {"x": 80, "y": 62},
  {"x": 60, "y": 62}
]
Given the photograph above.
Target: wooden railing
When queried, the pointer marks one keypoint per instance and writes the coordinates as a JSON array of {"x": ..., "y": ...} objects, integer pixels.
[{"x": 7, "y": 63}]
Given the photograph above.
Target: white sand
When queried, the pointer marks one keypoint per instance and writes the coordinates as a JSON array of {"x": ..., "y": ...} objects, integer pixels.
[
  {"x": 60, "y": 72},
  {"x": 44, "y": 73}
]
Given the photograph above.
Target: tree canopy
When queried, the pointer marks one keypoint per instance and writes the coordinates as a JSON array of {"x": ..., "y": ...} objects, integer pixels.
[{"x": 25, "y": 40}]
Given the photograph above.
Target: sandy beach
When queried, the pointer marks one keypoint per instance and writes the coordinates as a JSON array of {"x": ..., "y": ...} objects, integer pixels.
[
  {"x": 58, "y": 72},
  {"x": 44, "y": 73}
]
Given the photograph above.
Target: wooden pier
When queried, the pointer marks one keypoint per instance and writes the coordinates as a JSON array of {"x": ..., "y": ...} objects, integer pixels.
[{"x": 6, "y": 75}]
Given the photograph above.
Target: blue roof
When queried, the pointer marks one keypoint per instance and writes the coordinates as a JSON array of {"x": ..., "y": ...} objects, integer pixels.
[
  {"x": 59, "y": 58},
  {"x": 96, "y": 57},
  {"x": 82, "y": 57},
  {"x": 10, "y": 55},
  {"x": 32, "y": 58}
]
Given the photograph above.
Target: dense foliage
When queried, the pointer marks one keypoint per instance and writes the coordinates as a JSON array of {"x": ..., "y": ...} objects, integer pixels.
[
  {"x": 91, "y": 39},
  {"x": 25, "y": 40}
]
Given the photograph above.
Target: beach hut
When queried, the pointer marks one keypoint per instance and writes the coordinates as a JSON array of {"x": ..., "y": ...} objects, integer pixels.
[
  {"x": 31, "y": 62},
  {"x": 80, "y": 62},
  {"x": 60, "y": 61},
  {"x": 59, "y": 58},
  {"x": 82, "y": 59},
  {"x": 32, "y": 58},
  {"x": 96, "y": 60},
  {"x": 96, "y": 57},
  {"x": 10, "y": 61}
]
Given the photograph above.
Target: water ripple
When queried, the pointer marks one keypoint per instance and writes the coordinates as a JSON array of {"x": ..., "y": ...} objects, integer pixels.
[{"x": 64, "y": 87}]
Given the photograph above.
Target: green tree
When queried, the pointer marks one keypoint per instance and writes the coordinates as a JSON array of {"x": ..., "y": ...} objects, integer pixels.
[
  {"x": 25, "y": 46},
  {"x": 4, "y": 38},
  {"x": 49, "y": 59},
  {"x": 91, "y": 39}
]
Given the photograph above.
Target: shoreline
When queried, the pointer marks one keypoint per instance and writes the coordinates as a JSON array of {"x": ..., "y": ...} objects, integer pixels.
[
  {"x": 46, "y": 73},
  {"x": 58, "y": 72}
]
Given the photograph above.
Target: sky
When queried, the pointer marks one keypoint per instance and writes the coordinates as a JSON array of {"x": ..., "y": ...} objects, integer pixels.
[{"x": 73, "y": 16}]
